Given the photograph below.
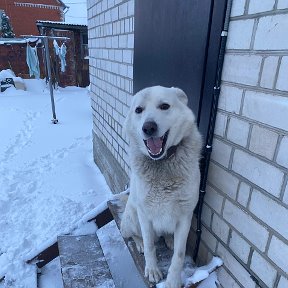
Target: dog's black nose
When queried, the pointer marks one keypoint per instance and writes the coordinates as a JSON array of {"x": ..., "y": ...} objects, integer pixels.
[{"x": 149, "y": 128}]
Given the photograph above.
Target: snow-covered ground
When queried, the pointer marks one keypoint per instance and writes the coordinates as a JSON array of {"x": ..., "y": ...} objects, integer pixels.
[
  {"x": 49, "y": 184},
  {"x": 48, "y": 178}
]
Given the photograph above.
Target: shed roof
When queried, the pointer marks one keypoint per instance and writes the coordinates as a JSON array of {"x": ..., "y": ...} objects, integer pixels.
[{"x": 60, "y": 25}]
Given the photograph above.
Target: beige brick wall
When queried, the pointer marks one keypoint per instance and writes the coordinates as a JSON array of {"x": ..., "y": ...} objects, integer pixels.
[{"x": 245, "y": 212}]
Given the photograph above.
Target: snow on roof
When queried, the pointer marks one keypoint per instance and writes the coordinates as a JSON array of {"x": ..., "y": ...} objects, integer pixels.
[
  {"x": 16, "y": 40},
  {"x": 51, "y": 23}
]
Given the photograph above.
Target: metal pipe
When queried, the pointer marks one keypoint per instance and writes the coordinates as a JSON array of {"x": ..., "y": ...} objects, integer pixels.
[
  {"x": 46, "y": 47},
  {"x": 45, "y": 39},
  {"x": 212, "y": 120}
]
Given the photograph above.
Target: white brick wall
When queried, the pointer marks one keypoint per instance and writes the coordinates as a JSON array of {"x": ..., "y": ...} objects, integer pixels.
[
  {"x": 263, "y": 142},
  {"x": 238, "y": 8},
  {"x": 230, "y": 99},
  {"x": 278, "y": 253},
  {"x": 272, "y": 111},
  {"x": 214, "y": 199},
  {"x": 222, "y": 154},
  {"x": 246, "y": 225},
  {"x": 276, "y": 216},
  {"x": 282, "y": 83},
  {"x": 111, "y": 42},
  {"x": 235, "y": 268},
  {"x": 220, "y": 228},
  {"x": 244, "y": 194},
  {"x": 285, "y": 198},
  {"x": 259, "y": 172},
  {"x": 216, "y": 176},
  {"x": 220, "y": 125},
  {"x": 269, "y": 72},
  {"x": 241, "y": 33},
  {"x": 239, "y": 246},
  {"x": 249, "y": 168},
  {"x": 272, "y": 39},
  {"x": 242, "y": 69},
  {"x": 226, "y": 280},
  {"x": 238, "y": 131},
  {"x": 263, "y": 269},
  {"x": 257, "y": 6}
]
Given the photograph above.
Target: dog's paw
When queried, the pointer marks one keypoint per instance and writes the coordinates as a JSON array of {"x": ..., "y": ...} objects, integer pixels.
[
  {"x": 139, "y": 245},
  {"x": 173, "y": 282},
  {"x": 153, "y": 273}
]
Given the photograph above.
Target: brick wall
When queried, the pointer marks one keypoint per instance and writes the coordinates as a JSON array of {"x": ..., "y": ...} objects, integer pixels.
[
  {"x": 13, "y": 56},
  {"x": 111, "y": 42},
  {"x": 246, "y": 206},
  {"x": 24, "y": 14}
]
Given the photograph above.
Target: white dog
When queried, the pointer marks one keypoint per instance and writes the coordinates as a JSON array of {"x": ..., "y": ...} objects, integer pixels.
[{"x": 164, "y": 149}]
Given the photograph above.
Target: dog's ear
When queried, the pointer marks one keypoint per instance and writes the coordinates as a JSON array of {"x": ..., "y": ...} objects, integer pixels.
[{"x": 181, "y": 95}]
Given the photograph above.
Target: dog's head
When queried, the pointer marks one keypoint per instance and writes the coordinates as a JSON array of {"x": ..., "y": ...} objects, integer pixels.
[{"x": 158, "y": 119}]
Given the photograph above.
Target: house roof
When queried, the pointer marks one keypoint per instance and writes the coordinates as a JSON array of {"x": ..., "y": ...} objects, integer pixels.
[
  {"x": 60, "y": 25},
  {"x": 63, "y": 4}
]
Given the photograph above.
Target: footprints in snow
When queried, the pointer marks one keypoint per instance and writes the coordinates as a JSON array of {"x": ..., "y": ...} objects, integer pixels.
[{"x": 22, "y": 138}]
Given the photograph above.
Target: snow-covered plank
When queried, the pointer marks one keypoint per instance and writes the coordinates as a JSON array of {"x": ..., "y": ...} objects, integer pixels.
[
  {"x": 121, "y": 264},
  {"x": 83, "y": 264}
]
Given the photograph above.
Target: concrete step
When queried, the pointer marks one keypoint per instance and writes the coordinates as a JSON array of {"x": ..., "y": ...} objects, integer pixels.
[
  {"x": 106, "y": 259},
  {"x": 121, "y": 264},
  {"x": 83, "y": 264}
]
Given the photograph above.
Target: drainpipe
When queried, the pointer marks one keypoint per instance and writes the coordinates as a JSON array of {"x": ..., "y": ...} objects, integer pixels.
[{"x": 212, "y": 120}]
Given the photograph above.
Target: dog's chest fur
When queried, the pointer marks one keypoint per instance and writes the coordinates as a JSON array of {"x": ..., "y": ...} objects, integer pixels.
[{"x": 163, "y": 190}]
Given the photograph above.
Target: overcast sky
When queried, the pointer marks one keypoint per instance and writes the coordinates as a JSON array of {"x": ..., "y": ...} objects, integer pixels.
[{"x": 77, "y": 13}]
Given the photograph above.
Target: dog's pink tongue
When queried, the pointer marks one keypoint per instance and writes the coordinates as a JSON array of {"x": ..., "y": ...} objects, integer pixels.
[{"x": 154, "y": 145}]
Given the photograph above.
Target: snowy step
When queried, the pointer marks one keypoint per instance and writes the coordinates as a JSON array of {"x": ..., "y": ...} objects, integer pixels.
[
  {"x": 83, "y": 264},
  {"x": 118, "y": 257},
  {"x": 164, "y": 255}
]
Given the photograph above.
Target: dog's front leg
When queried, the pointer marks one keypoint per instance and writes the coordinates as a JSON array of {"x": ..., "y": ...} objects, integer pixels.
[
  {"x": 151, "y": 268},
  {"x": 180, "y": 239}
]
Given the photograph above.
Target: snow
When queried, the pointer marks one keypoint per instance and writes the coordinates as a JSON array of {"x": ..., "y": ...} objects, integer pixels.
[
  {"x": 192, "y": 275},
  {"x": 50, "y": 184},
  {"x": 17, "y": 40},
  {"x": 51, "y": 276},
  {"x": 120, "y": 261}
]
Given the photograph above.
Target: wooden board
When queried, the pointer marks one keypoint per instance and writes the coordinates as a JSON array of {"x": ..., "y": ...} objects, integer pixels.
[{"x": 83, "y": 264}]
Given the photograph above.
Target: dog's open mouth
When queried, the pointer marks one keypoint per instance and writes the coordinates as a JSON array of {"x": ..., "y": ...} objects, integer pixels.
[{"x": 156, "y": 145}]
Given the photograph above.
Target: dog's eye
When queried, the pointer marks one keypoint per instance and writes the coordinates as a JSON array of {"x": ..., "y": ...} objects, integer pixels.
[
  {"x": 164, "y": 106},
  {"x": 139, "y": 110}
]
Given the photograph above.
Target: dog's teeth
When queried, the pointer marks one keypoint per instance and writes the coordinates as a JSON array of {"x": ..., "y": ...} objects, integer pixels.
[{"x": 156, "y": 153}]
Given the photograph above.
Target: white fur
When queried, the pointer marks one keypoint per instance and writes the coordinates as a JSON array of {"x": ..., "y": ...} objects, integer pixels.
[{"x": 163, "y": 192}]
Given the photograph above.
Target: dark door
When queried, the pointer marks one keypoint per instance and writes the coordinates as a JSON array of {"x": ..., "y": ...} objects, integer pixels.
[{"x": 177, "y": 44}]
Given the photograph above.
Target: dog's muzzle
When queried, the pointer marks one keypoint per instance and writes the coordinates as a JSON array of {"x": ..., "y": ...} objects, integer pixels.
[{"x": 155, "y": 145}]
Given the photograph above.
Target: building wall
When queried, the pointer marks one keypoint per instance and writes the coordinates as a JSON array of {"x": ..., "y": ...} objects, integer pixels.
[
  {"x": 24, "y": 14},
  {"x": 246, "y": 206},
  {"x": 13, "y": 57},
  {"x": 111, "y": 42}
]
